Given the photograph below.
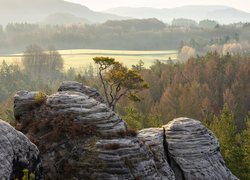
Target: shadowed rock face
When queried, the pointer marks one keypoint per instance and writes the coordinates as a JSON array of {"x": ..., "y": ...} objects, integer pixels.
[
  {"x": 17, "y": 153},
  {"x": 23, "y": 103},
  {"x": 153, "y": 138},
  {"x": 191, "y": 150},
  {"x": 79, "y": 137}
]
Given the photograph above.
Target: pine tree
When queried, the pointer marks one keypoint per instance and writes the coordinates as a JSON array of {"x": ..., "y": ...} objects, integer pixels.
[
  {"x": 230, "y": 142},
  {"x": 118, "y": 81},
  {"x": 133, "y": 118},
  {"x": 246, "y": 149}
]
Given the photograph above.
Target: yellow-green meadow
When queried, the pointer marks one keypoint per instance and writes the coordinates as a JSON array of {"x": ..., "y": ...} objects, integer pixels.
[{"x": 84, "y": 57}]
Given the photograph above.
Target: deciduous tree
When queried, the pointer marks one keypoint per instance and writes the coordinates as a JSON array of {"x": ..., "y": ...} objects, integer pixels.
[{"x": 42, "y": 65}]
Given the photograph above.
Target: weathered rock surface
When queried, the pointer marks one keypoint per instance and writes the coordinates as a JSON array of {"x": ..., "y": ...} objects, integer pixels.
[
  {"x": 153, "y": 138},
  {"x": 23, "y": 103},
  {"x": 78, "y": 87},
  {"x": 81, "y": 138},
  {"x": 17, "y": 153},
  {"x": 126, "y": 158},
  {"x": 195, "y": 150}
]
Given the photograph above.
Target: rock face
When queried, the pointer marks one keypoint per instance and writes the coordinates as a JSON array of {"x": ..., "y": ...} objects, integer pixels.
[
  {"x": 196, "y": 151},
  {"x": 78, "y": 87},
  {"x": 79, "y": 137},
  {"x": 23, "y": 103},
  {"x": 17, "y": 153},
  {"x": 153, "y": 138}
]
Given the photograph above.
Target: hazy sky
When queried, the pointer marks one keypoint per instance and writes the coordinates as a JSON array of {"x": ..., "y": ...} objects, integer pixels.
[{"x": 100, "y": 5}]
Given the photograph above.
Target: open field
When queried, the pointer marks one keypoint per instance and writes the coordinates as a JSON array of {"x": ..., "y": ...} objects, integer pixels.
[{"x": 83, "y": 57}]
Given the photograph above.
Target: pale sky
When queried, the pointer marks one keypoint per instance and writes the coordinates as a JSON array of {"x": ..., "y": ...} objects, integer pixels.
[{"x": 100, "y": 5}]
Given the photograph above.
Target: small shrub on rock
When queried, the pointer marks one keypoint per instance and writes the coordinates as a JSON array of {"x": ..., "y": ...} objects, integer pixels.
[{"x": 40, "y": 97}]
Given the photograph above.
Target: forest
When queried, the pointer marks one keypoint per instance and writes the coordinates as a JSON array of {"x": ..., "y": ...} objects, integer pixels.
[
  {"x": 203, "y": 36},
  {"x": 213, "y": 88}
]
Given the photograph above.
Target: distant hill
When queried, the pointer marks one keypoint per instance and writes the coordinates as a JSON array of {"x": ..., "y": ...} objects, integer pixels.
[
  {"x": 61, "y": 12},
  {"x": 37, "y": 10},
  {"x": 64, "y": 18},
  {"x": 222, "y": 14},
  {"x": 136, "y": 24}
]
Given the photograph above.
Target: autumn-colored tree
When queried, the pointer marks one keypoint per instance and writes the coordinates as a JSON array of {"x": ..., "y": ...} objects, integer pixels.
[
  {"x": 185, "y": 53},
  {"x": 232, "y": 48},
  {"x": 169, "y": 105},
  {"x": 191, "y": 100},
  {"x": 118, "y": 81}
]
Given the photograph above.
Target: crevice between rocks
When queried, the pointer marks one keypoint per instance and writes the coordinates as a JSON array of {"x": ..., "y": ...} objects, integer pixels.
[{"x": 179, "y": 175}]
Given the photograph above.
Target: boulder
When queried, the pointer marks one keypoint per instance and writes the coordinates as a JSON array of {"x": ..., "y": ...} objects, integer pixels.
[
  {"x": 17, "y": 153},
  {"x": 194, "y": 151},
  {"x": 86, "y": 111}
]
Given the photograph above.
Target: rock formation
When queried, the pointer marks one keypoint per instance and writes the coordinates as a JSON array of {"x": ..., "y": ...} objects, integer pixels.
[
  {"x": 79, "y": 137},
  {"x": 153, "y": 138},
  {"x": 17, "y": 153},
  {"x": 78, "y": 87},
  {"x": 191, "y": 150}
]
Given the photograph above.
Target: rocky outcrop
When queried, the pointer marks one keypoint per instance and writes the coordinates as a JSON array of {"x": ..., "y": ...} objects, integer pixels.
[
  {"x": 78, "y": 87},
  {"x": 23, "y": 103},
  {"x": 126, "y": 158},
  {"x": 195, "y": 150},
  {"x": 189, "y": 148},
  {"x": 17, "y": 153},
  {"x": 79, "y": 137},
  {"x": 153, "y": 138}
]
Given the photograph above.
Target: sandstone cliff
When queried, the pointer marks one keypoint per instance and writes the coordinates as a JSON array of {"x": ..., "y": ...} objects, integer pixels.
[{"x": 79, "y": 137}]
